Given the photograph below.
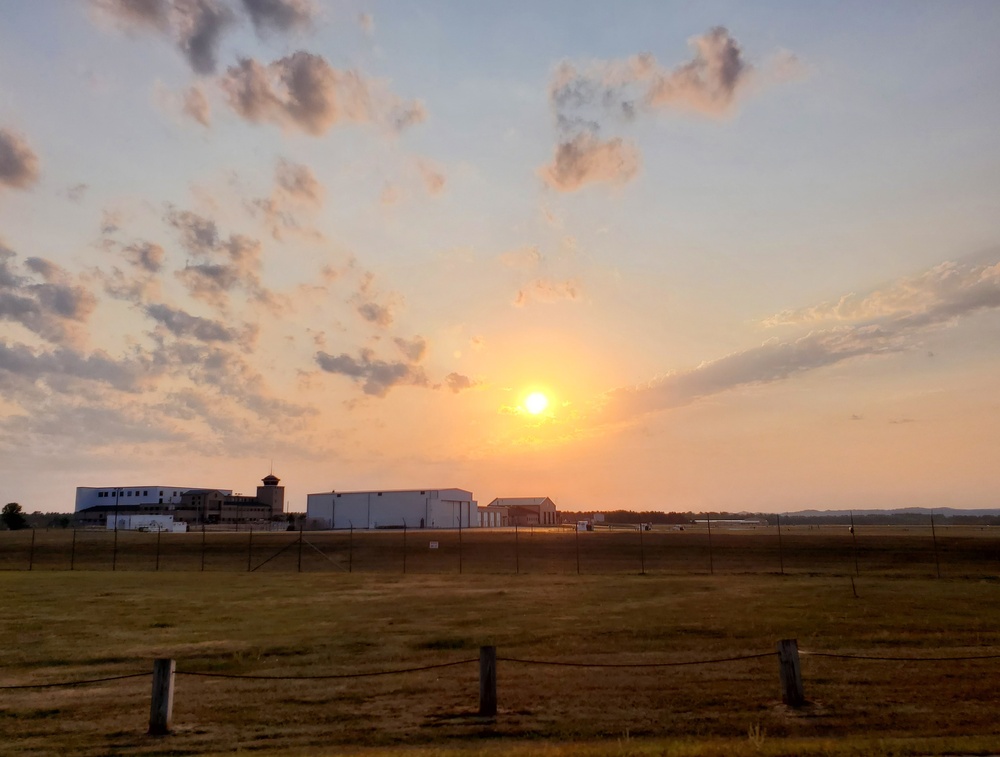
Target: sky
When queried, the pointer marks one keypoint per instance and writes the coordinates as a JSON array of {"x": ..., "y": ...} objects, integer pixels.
[{"x": 749, "y": 253}]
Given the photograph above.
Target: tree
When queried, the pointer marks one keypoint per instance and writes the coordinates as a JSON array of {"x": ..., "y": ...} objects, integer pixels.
[{"x": 12, "y": 517}]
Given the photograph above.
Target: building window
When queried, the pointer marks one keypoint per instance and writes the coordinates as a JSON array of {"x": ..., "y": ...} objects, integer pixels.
[
  {"x": 145, "y": 493},
  {"x": 380, "y": 494}
]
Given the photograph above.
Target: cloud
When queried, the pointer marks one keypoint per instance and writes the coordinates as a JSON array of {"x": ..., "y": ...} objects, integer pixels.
[
  {"x": 434, "y": 180},
  {"x": 296, "y": 187},
  {"x": 547, "y": 290},
  {"x": 948, "y": 287},
  {"x": 377, "y": 376},
  {"x": 55, "y": 308},
  {"x": 75, "y": 192},
  {"x": 585, "y": 159},
  {"x": 34, "y": 365},
  {"x": 524, "y": 258},
  {"x": 280, "y": 15},
  {"x": 380, "y": 315},
  {"x": 18, "y": 162},
  {"x": 145, "y": 255},
  {"x": 299, "y": 182},
  {"x": 220, "y": 266},
  {"x": 457, "y": 382},
  {"x": 414, "y": 349},
  {"x": 905, "y": 311},
  {"x": 195, "y": 26},
  {"x": 182, "y": 324},
  {"x": 584, "y": 97},
  {"x": 302, "y": 91},
  {"x": 709, "y": 84},
  {"x": 195, "y": 105}
]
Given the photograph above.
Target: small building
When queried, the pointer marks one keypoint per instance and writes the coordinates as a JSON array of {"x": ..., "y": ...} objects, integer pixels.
[
  {"x": 409, "y": 508},
  {"x": 519, "y": 511}
]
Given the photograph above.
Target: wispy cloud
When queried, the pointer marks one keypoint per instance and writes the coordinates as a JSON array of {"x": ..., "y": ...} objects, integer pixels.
[{"x": 891, "y": 320}]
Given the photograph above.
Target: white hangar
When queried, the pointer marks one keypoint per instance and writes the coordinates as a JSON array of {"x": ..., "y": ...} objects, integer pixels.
[{"x": 412, "y": 508}]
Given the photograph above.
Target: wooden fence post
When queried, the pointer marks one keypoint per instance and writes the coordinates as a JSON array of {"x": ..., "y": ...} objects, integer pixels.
[
  {"x": 158, "y": 532},
  {"x": 488, "y": 681},
  {"x": 161, "y": 710},
  {"x": 250, "y": 550},
  {"x": 31, "y": 551},
  {"x": 790, "y": 673},
  {"x": 350, "y": 550},
  {"x": 203, "y": 547},
  {"x": 72, "y": 552}
]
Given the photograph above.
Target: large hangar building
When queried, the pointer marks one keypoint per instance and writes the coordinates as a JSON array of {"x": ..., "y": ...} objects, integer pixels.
[{"x": 411, "y": 508}]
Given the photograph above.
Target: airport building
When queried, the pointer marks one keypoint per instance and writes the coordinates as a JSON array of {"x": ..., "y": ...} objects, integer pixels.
[
  {"x": 519, "y": 511},
  {"x": 96, "y": 505},
  {"x": 411, "y": 508}
]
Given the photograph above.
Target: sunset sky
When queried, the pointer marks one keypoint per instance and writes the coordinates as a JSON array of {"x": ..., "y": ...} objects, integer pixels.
[{"x": 748, "y": 252}]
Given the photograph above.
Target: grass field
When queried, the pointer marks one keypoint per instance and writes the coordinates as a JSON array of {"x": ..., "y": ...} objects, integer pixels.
[
  {"x": 886, "y": 551},
  {"x": 59, "y": 626}
]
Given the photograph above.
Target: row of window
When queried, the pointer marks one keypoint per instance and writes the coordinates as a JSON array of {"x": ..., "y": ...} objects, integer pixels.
[{"x": 128, "y": 493}]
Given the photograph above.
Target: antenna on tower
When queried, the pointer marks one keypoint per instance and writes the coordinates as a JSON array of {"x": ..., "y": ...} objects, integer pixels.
[{"x": 272, "y": 467}]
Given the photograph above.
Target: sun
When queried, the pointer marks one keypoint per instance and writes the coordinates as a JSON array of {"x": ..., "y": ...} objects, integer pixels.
[{"x": 535, "y": 403}]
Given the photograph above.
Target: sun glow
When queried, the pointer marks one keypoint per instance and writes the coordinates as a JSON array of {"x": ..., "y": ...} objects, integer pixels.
[{"x": 535, "y": 403}]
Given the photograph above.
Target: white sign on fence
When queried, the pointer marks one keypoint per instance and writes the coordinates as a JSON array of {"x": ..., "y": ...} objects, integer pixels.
[{"x": 434, "y": 545}]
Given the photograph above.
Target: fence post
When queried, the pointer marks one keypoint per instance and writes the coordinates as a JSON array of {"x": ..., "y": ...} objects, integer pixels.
[
  {"x": 404, "y": 547},
  {"x": 781, "y": 554},
  {"x": 72, "y": 552},
  {"x": 161, "y": 710},
  {"x": 517, "y": 554},
  {"x": 31, "y": 551},
  {"x": 642, "y": 553},
  {"x": 711, "y": 561},
  {"x": 854, "y": 539},
  {"x": 350, "y": 550},
  {"x": 203, "y": 547},
  {"x": 937, "y": 561},
  {"x": 114, "y": 553},
  {"x": 300, "y": 546},
  {"x": 576, "y": 533},
  {"x": 790, "y": 673},
  {"x": 158, "y": 531},
  {"x": 459, "y": 544},
  {"x": 250, "y": 550},
  {"x": 488, "y": 681}
]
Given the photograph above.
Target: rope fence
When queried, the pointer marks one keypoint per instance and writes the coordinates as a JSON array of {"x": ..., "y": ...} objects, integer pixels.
[{"x": 790, "y": 676}]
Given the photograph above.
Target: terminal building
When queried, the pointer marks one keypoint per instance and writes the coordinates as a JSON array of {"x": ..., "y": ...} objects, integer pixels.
[
  {"x": 95, "y": 505},
  {"x": 411, "y": 508}
]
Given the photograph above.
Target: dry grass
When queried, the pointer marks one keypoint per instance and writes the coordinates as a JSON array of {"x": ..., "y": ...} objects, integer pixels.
[{"x": 62, "y": 626}]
